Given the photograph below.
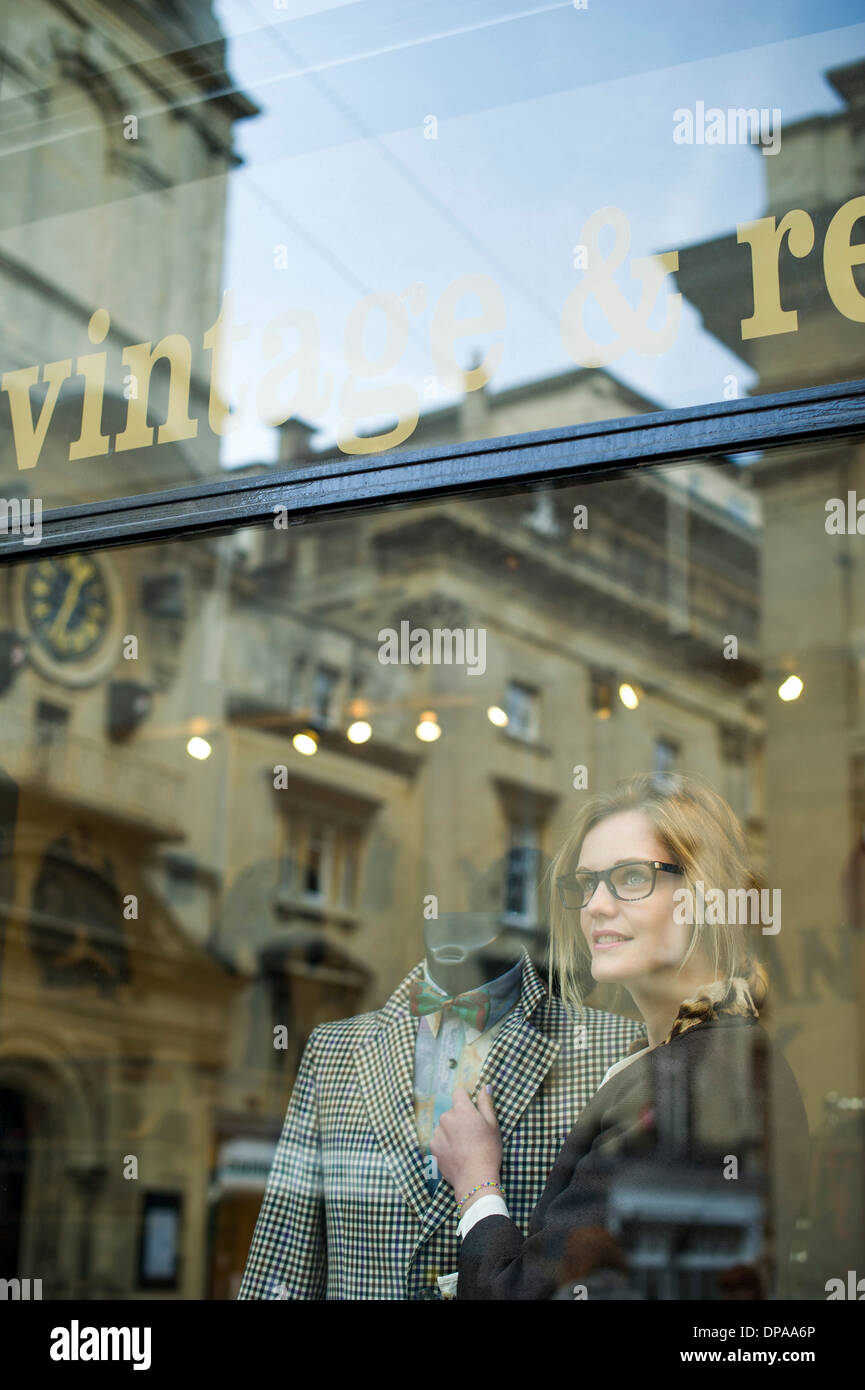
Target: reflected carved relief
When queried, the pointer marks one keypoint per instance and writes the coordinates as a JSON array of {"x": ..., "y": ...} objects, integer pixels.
[
  {"x": 435, "y": 611},
  {"x": 76, "y": 927}
]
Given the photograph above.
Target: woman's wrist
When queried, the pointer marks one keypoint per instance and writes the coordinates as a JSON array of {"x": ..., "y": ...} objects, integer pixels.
[{"x": 466, "y": 1196}]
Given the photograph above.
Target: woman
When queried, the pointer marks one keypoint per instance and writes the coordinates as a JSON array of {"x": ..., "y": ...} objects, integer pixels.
[{"x": 703, "y": 1105}]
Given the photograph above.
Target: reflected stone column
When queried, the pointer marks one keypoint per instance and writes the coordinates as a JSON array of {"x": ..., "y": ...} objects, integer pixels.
[
  {"x": 88, "y": 1184},
  {"x": 678, "y": 603}
]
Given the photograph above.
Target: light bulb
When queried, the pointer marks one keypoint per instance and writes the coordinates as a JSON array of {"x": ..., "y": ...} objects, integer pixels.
[
  {"x": 791, "y": 688},
  {"x": 428, "y": 729}
]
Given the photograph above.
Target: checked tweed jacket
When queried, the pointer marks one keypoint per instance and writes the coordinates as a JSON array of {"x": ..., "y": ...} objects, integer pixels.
[{"x": 346, "y": 1213}]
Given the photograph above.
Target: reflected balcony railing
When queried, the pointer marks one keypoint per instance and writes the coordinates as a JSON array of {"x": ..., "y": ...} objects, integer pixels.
[{"x": 87, "y": 772}]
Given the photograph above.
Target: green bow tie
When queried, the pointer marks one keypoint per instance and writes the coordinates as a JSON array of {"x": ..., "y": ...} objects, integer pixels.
[{"x": 473, "y": 1006}]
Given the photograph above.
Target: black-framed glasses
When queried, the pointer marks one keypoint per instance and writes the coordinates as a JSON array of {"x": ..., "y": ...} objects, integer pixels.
[{"x": 628, "y": 882}]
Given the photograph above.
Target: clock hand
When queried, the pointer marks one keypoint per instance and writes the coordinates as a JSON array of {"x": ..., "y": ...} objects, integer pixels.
[{"x": 66, "y": 608}]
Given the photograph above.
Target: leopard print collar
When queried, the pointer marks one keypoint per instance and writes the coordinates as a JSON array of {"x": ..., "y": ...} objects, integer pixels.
[{"x": 722, "y": 999}]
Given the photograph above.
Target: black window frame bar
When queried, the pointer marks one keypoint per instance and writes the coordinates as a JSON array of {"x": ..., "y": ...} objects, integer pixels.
[{"x": 311, "y": 490}]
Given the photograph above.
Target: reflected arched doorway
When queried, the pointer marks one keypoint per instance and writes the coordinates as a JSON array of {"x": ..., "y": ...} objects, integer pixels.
[
  {"x": 14, "y": 1158},
  {"x": 47, "y": 1166}
]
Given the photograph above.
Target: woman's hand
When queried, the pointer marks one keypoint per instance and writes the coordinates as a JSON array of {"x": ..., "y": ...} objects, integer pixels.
[{"x": 467, "y": 1144}]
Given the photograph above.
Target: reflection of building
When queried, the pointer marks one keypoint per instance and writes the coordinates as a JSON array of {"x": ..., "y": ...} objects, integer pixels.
[
  {"x": 646, "y": 592},
  {"x": 813, "y": 621},
  {"x": 275, "y": 890},
  {"x": 168, "y": 921},
  {"x": 112, "y": 1034},
  {"x": 116, "y": 137}
]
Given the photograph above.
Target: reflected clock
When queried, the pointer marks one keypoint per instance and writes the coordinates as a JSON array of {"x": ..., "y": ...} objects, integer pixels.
[{"x": 69, "y": 605}]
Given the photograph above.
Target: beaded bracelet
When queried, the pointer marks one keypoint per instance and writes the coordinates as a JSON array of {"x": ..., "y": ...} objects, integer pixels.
[{"x": 480, "y": 1185}]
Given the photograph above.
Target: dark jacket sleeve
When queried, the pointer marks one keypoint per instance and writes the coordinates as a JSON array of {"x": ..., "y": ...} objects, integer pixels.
[
  {"x": 288, "y": 1255},
  {"x": 631, "y": 1122},
  {"x": 496, "y": 1262}
]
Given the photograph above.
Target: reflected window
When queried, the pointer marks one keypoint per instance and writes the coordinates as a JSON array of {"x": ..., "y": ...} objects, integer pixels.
[
  {"x": 521, "y": 707},
  {"x": 521, "y": 875},
  {"x": 52, "y": 722},
  {"x": 348, "y": 871},
  {"x": 313, "y": 871},
  {"x": 666, "y": 755},
  {"x": 286, "y": 864},
  {"x": 324, "y": 694},
  {"x": 318, "y": 864}
]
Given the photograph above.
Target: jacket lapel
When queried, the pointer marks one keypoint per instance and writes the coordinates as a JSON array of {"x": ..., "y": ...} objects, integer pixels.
[
  {"x": 517, "y": 1064},
  {"x": 385, "y": 1067}
]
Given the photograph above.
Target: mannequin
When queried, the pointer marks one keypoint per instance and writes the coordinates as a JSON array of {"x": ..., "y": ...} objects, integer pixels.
[
  {"x": 354, "y": 1208},
  {"x": 456, "y": 945},
  {"x": 459, "y": 1015}
]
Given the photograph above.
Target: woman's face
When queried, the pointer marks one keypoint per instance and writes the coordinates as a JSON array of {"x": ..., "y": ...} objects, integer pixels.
[{"x": 631, "y": 941}]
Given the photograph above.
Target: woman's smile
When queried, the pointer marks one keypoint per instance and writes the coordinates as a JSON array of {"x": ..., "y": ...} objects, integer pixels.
[{"x": 606, "y": 940}]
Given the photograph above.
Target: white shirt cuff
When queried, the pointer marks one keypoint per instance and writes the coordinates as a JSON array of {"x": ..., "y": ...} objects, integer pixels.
[{"x": 492, "y": 1205}]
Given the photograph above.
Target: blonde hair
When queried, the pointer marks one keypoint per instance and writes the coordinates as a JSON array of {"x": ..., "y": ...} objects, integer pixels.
[{"x": 703, "y": 835}]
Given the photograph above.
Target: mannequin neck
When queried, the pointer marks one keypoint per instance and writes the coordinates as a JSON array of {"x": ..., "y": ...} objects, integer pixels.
[{"x": 466, "y": 975}]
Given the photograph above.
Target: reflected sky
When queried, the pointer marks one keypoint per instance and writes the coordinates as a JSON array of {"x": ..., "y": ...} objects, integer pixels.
[{"x": 545, "y": 113}]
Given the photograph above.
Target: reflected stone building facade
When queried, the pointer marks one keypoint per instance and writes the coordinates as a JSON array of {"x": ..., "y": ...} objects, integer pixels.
[
  {"x": 813, "y": 621},
  {"x": 112, "y": 1030},
  {"x": 174, "y": 928}
]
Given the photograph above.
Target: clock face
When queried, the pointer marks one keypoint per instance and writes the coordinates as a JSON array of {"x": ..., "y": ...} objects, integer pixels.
[{"x": 67, "y": 607}]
